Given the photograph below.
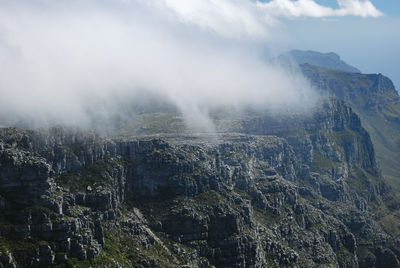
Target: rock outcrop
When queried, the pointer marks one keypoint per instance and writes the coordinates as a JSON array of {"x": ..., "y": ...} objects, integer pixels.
[
  {"x": 375, "y": 100},
  {"x": 287, "y": 192}
]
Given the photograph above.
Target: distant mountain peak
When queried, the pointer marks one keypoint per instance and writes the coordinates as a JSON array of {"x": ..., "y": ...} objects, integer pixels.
[{"x": 328, "y": 60}]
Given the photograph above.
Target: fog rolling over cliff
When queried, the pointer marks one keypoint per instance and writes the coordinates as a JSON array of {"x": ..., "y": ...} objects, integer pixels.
[
  {"x": 171, "y": 134},
  {"x": 291, "y": 190},
  {"x": 86, "y": 63}
]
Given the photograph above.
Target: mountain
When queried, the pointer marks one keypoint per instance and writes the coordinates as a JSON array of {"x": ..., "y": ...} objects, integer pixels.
[
  {"x": 374, "y": 98},
  {"x": 287, "y": 192},
  {"x": 325, "y": 60},
  {"x": 264, "y": 190}
]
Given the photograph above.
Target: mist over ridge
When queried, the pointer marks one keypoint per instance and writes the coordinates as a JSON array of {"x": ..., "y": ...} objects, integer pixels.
[
  {"x": 194, "y": 134},
  {"x": 64, "y": 62}
]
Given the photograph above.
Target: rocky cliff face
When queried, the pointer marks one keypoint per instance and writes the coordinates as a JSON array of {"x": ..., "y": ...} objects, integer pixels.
[
  {"x": 374, "y": 98},
  {"x": 287, "y": 192}
]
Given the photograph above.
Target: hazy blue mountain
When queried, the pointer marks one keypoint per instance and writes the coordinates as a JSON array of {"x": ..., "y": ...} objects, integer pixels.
[{"x": 325, "y": 60}]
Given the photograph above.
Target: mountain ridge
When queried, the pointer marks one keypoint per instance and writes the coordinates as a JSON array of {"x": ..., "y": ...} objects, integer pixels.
[
  {"x": 328, "y": 60},
  {"x": 375, "y": 100}
]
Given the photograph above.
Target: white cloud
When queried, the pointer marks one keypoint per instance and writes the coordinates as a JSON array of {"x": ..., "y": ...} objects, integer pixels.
[
  {"x": 309, "y": 8},
  {"x": 252, "y": 18},
  {"x": 231, "y": 18},
  {"x": 62, "y": 60},
  {"x": 358, "y": 8}
]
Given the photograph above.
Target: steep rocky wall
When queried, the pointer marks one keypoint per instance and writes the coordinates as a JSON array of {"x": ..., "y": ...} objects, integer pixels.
[
  {"x": 228, "y": 200},
  {"x": 333, "y": 130},
  {"x": 375, "y": 100}
]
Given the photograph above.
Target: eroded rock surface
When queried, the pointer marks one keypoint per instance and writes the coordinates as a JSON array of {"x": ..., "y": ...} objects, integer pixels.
[{"x": 284, "y": 193}]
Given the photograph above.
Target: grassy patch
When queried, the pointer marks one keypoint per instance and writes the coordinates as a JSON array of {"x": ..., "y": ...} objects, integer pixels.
[
  {"x": 264, "y": 217},
  {"x": 209, "y": 198},
  {"x": 360, "y": 180},
  {"x": 95, "y": 174},
  {"x": 321, "y": 162}
]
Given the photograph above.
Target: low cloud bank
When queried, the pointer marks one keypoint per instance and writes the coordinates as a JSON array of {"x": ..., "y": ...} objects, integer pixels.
[{"x": 66, "y": 62}]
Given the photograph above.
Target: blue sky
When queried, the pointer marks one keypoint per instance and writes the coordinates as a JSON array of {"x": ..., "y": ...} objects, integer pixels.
[
  {"x": 370, "y": 44},
  {"x": 391, "y": 7}
]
